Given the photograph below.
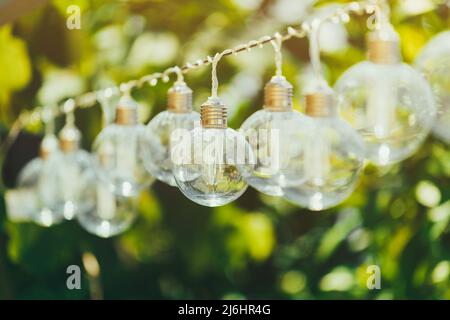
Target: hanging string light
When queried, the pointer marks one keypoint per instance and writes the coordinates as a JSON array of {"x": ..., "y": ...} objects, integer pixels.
[
  {"x": 314, "y": 160},
  {"x": 434, "y": 62},
  {"x": 275, "y": 135},
  {"x": 209, "y": 170},
  {"x": 37, "y": 180},
  {"x": 158, "y": 133},
  {"x": 118, "y": 148},
  {"x": 74, "y": 169},
  {"x": 109, "y": 214},
  {"x": 333, "y": 154},
  {"x": 387, "y": 101}
]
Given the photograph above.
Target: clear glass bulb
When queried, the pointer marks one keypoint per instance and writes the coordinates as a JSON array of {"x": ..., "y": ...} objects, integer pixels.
[
  {"x": 277, "y": 139},
  {"x": 39, "y": 178},
  {"x": 109, "y": 214},
  {"x": 117, "y": 148},
  {"x": 209, "y": 165},
  {"x": 434, "y": 62},
  {"x": 74, "y": 173},
  {"x": 332, "y": 164},
  {"x": 158, "y": 133},
  {"x": 390, "y": 105}
]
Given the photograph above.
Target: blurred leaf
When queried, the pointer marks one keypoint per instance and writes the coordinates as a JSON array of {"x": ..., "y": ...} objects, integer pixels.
[{"x": 14, "y": 65}]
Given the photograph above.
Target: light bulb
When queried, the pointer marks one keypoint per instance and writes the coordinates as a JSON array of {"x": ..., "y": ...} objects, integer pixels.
[
  {"x": 109, "y": 214},
  {"x": 74, "y": 170},
  {"x": 388, "y": 102},
  {"x": 276, "y": 134},
  {"x": 118, "y": 147},
  {"x": 158, "y": 133},
  {"x": 434, "y": 62},
  {"x": 211, "y": 159},
  {"x": 333, "y": 156},
  {"x": 38, "y": 181}
]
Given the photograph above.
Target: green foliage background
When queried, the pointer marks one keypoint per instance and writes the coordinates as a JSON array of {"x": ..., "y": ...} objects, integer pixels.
[{"x": 256, "y": 247}]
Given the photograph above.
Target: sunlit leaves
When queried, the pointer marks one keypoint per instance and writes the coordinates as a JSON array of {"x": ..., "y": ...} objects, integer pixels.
[
  {"x": 14, "y": 64},
  {"x": 339, "y": 279},
  {"x": 398, "y": 217}
]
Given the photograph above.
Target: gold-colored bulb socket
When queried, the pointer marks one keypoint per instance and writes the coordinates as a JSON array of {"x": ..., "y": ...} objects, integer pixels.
[
  {"x": 179, "y": 98},
  {"x": 44, "y": 153},
  {"x": 382, "y": 49},
  {"x": 319, "y": 104},
  {"x": 126, "y": 115},
  {"x": 48, "y": 146},
  {"x": 69, "y": 139},
  {"x": 213, "y": 114},
  {"x": 278, "y": 94}
]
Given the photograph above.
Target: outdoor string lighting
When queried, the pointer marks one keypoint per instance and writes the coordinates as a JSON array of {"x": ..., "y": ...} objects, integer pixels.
[{"x": 313, "y": 159}]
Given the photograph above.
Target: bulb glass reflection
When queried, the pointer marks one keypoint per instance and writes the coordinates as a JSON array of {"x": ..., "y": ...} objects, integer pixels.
[
  {"x": 39, "y": 178},
  {"x": 158, "y": 157},
  {"x": 434, "y": 62},
  {"x": 74, "y": 172},
  {"x": 333, "y": 155},
  {"x": 276, "y": 135},
  {"x": 332, "y": 164},
  {"x": 109, "y": 214},
  {"x": 388, "y": 102},
  {"x": 38, "y": 184},
  {"x": 118, "y": 149},
  {"x": 208, "y": 167}
]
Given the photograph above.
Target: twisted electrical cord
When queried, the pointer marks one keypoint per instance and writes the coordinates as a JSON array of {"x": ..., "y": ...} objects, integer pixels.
[{"x": 89, "y": 99}]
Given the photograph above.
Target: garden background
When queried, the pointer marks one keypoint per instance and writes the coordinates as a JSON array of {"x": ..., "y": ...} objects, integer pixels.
[{"x": 258, "y": 246}]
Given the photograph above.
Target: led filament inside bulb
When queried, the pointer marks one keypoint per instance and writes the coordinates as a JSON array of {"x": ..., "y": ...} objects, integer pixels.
[{"x": 332, "y": 156}]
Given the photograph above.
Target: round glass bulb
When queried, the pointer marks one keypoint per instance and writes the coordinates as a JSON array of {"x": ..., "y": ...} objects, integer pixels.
[
  {"x": 332, "y": 163},
  {"x": 109, "y": 214},
  {"x": 390, "y": 105},
  {"x": 277, "y": 140},
  {"x": 208, "y": 165},
  {"x": 40, "y": 179},
  {"x": 434, "y": 62},
  {"x": 74, "y": 173},
  {"x": 158, "y": 134},
  {"x": 118, "y": 149}
]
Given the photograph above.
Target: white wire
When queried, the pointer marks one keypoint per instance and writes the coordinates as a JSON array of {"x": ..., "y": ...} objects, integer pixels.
[
  {"x": 277, "y": 43},
  {"x": 90, "y": 98},
  {"x": 214, "y": 80}
]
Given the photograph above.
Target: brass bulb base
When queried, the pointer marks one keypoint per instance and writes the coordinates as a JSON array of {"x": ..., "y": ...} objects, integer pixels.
[
  {"x": 69, "y": 139},
  {"x": 278, "y": 94},
  {"x": 213, "y": 114},
  {"x": 48, "y": 146},
  {"x": 126, "y": 111},
  {"x": 382, "y": 48},
  {"x": 126, "y": 116},
  {"x": 44, "y": 153},
  {"x": 179, "y": 98},
  {"x": 319, "y": 104}
]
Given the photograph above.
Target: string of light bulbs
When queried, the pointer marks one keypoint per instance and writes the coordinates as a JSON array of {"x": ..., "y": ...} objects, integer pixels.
[
  {"x": 91, "y": 98},
  {"x": 380, "y": 110}
]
